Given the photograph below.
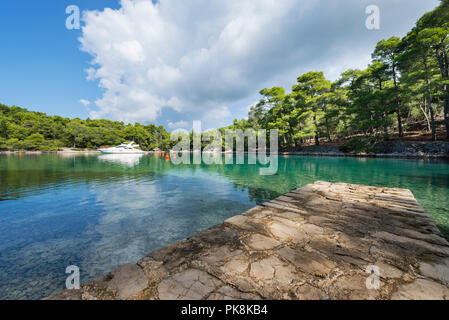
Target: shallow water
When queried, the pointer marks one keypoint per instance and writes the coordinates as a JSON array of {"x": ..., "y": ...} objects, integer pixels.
[{"x": 98, "y": 212}]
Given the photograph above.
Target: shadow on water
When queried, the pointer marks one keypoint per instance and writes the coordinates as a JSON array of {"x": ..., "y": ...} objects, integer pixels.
[
  {"x": 444, "y": 230},
  {"x": 440, "y": 180}
]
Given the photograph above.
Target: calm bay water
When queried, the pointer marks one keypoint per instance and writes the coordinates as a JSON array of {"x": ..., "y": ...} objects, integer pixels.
[{"x": 98, "y": 212}]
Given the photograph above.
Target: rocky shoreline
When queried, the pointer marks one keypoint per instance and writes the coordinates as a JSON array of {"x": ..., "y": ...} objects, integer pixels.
[{"x": 386, "y": 149}]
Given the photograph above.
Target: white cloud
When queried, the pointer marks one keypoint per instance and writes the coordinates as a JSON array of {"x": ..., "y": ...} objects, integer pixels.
[
  {"x": 178, "y": 125},
  {"x": 198, "y": 59},
  {"x": 219, "y": 117},
  {"x": 85, "y": 103}
]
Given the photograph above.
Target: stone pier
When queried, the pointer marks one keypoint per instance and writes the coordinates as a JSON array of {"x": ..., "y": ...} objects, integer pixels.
[{"x": 322, "y": 241}]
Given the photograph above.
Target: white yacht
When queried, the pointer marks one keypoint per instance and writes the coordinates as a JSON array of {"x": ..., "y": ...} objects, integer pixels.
[{"x": 122, "y": 149}]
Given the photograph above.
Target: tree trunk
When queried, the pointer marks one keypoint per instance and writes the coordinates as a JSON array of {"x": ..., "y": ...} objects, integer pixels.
[
  {"x": 371, "y": 128},
  {"x": 398, "y": 103},
  {"x": 446, "y": 110},
  {"x": 384, "y": 115},
  {"x": 429, "y": 101},
  {"x": 424, "y": 111},
  {"x": 446, "y": 92},
  {"x": 317, "y": 140},
  {"x": 328, "y": 132},
  {"x": 442, "y": 59},
  {"x": 432, "y": 120}
]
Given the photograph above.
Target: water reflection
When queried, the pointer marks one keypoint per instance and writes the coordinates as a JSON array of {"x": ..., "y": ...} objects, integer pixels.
[
  {"x": 98, "y": 212},
  {"x": 129, "y": 160}
]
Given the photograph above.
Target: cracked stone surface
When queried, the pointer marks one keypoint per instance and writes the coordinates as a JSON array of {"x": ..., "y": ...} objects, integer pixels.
[
  {"x": 191, "y": 284},
  {"x": 313, "y": 243}
]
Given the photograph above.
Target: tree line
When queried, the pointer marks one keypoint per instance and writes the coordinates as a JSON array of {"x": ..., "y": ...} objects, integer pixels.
[
  {"x": 405, "y": 87},
  {"x": 21, "y": 129}
]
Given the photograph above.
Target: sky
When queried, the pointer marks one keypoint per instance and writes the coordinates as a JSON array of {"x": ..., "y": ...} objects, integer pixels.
[{"x": 174, "y": 61}]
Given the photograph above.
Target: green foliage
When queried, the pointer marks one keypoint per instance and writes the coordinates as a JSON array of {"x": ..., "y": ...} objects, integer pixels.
[
  {"x": 407, "y": 83},
  {"x": 361, "y": 144},
  {"x": 21, "y": 129},
  {"x": 2, "y": 143},
  {"x": 34, "y": 141},
  {"x": 14, "y": 144},
  {"x": 405, "y": 86}
]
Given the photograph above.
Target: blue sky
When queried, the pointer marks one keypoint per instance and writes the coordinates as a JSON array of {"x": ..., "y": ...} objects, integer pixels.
[
  {"x": 179, "y": 60},
  {"x": 41, "y": 65}
]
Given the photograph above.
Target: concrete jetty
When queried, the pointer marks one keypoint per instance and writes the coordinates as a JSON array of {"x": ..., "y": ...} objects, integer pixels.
[{"x": 322, "y": 241}]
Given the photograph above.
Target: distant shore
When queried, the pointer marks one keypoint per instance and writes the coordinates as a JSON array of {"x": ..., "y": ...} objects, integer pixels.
[
  {"x": 45, "y": 152},
  {"x": 387, "y": 149},
  {"x": 367, "y": 155}
]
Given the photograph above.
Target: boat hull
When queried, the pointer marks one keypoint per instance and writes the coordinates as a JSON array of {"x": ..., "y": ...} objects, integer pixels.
[{"x": 105, "y": 151}]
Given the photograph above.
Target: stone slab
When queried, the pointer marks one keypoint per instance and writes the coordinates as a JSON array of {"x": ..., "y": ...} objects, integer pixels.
[{"x": 322, "y": 241}]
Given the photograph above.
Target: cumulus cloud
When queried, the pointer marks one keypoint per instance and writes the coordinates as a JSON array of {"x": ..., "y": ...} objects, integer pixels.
[
  {"x": 178, "y": 125},
  {"x": 85, "y": 103},
  {"x": 200, "y": 59},
  {"x": 218, "y": 117}
]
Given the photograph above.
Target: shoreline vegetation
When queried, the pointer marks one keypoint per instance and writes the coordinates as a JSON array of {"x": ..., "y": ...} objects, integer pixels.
[
  {"x": 387, "y": 149},
  {"x": 403, "y": 92}
]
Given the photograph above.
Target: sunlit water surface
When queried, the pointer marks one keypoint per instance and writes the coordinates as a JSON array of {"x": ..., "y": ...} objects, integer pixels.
[{"x": 99, "y": 212}]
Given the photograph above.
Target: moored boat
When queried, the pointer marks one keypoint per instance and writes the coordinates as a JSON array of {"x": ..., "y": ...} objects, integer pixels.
[{"x": 122, "y": 149}]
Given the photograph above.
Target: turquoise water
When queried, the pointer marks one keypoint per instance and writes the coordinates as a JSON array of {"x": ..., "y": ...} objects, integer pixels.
[{"x": 98, "y": 212}]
